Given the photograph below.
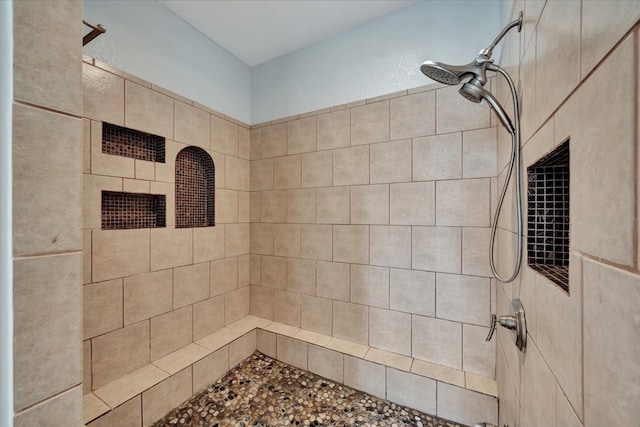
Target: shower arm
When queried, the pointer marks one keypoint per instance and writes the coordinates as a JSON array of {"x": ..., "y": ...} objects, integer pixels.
[
  {"x": 488, "y": 51},
  {"x": 515, "y": 160}
]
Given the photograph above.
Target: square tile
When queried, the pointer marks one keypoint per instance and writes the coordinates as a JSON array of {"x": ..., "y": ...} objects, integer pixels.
[
  {"x": 437, "y": 341},
  {"x": 334, "y": 129},
  {"x": 412, "y": 291},
  {"x": 102, "y": 308},
  {"x": 333, "y": 280},
  {"x": 370, "y": 204},
  {"x": 390, "y": 330},
  {"x": 370, "y": 285},
  {"x": 463, "y": 298},
  {"x": 413, "y": 115},
  {"x": 287, "y": 172},
  {"x": 370, "y": 123},
  {"x": 171, "y": 331},
  {"x": 316, "y": 314},
  {"x": 351, "y": 243},
  {"x": 436, "y": 249},
  {"x": 463, "y": 202},
  {"x": 391, "y": 246},
  {"x": 351, "y": 166},
  {"x": 317, "y": 242},
  {"x": 317, "y": 169},
  {"x": 390, "y": 162},
  {"x": 333, "y": 205},
  {"x": 412, "y": 203}
]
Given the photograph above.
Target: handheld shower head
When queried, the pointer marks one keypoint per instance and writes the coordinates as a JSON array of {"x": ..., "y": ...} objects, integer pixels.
[
  {"x": 475, "y": 92},
  {"x": 453, "y": 74}
]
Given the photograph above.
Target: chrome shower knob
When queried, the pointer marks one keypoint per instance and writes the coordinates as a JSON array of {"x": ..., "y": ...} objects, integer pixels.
[{"x": 515, "y": 321}]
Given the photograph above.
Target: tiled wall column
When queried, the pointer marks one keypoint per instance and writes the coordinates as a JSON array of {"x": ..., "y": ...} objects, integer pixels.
[{"x": 47, "y": 200}]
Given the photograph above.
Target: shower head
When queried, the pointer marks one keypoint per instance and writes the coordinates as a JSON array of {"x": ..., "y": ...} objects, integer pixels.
[
  {"x": 475, "y": 92},
  {"x": 453, "y": 74}
]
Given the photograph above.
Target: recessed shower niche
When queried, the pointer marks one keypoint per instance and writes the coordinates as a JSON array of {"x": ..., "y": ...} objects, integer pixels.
[
  {"x": 195, "y": 188},
  {"x": 133, "y": 210},
  {"x": 548, "y": 216},
  {"x": 125, "y": 142}
]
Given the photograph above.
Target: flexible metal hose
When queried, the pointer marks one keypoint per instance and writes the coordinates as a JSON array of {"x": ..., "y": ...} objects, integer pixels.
[{"x": 517, "y": 164}]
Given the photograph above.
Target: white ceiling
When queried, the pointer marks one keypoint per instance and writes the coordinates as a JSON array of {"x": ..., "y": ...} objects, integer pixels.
[{"x": 256, "y": 31}]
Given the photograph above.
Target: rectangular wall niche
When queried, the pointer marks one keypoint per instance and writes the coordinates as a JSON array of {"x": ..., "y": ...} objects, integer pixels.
[
  {"x": 548, "y": 216},
  {"x": 133, "y": 210},
  {"x": 126, "y": 142}
]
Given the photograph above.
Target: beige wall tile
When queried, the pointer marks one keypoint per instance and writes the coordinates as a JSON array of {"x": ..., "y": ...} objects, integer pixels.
[
  {"x": 237, "y": 173},
  {"x": 334, "y": 129},
  {"x": 413, "y": 115},
  {"x": 390, "y": 330},
  {"x": 333, "y": 205},
  {"x": 128, "y": 414},
  {"x": 244, "y": 143},
  {"x": 454, "y": 113},
  {"x": 112, "y": 252},
  {"x": 166, "y": 171},
  {"x": 301, "y": 276},
  {"x": 301, "y": 205},
  {"x": 317, "y": 242},
  {"x": 274, "y": 140},
  {"x": 237, "y": 239},
  {"x": 171, "y": 247},
  {"x": 162, "y": 398},
  {"x": 256, "y": 144},
  {"x": 236, "y": 305},
  {"x": 351, "y": 243},
  {"x": 351, "y": 166},
  {"x": 102, "y": 95},
  {"x": 262, "y": 238},
  {"x": 292, "y": 351},
  {"x": 370, "y": 123},
  {"x": 86, "y": 146},
  {"x": 208, "y": 243},
  {"x": 538, "y": 391},
  {"x": 244, "y": 206},
  {"x": 226, "y": 206},
  {"x": 465, "y": 406},
  {"x": 412, "y": 291},
  {"x": 351, "y": 322},
  {"x": 478, "y": 356},
  {"x": 390, "y": 161},
  {"x": 316, "y": 314},
  {"x": 65, "y": 408},
  {"x": 602, "y": 27},
  {"x": 224, "y": 275},
  {"x": 273, "y": 206},
  {"x": 124, "y": 388},
  {"x": 437, "y": 157},
  {"x": 370, "y": 204},
  {"x": 192, "y": 126},
  {"x": 411, "y": 390},
  {"x": 412, "y": 203},
  {"x": 479, "y": 151},
  {"x": 261, "y": 174},
  {"x": 210, "y": 369},
  {"x": 47, "y": 315},
  {"x": 286, "y": 308},
  {"x": 190, "y": 284},
  {"x": 301, "y": 135},
  {"x": 274, "y": 272},
  {"x": 266, "y": 342},
  {"x": 255, "y": 206},
  {"x": 556, "y": 47},
  {"x": 86, "y": 367},
  {"x": 38, "y": 187},
  {"x": 171, "y": 331},
  {"x": 366, "y": 376},
  {"x": 391, "y": 246},
  {"x": 436, "y": 249},
  {"x": 118, "y": 353},
  {"x": 242, "y": 348},
  {"x": 135, "y": 186},
  {"x": 463, "y": 202},
  {"x": 609, "y": 388},
  {"x": 370, "y": 285},
  {"x": 326, "y": 363},
  {"x": 287, "y": 172},
  {"x": 333, "y": 280},
  {"x": 463, "y": 298},
  {"x": 475, "y": 247},
  {"x": 317, "y": 169},
  {"x": 148, "y": 110},
  {"x": 255, "y": 269},
  {"x": 60, "y": 56},
  {"x": 208, "y": 316},
  {"x": 286, "y": 240},
  {"x": 565, "y": 416},
  {"x": 528, "y": 124},
  {"x": 102, "y": 308},
  {"x": 224, "y": 136},
  {"x": 437, "y": 341},
  {"x": 261, "y": 302}
]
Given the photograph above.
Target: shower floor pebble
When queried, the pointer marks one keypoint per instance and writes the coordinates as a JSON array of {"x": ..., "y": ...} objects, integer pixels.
[{"x": 262, "y": 391}]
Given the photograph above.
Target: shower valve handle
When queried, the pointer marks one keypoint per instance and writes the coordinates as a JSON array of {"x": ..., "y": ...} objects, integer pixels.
[{"x": 515, "y": 322}]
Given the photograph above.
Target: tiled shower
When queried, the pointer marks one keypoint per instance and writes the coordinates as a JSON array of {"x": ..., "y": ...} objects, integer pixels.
[{"x": 353, "y": 237}]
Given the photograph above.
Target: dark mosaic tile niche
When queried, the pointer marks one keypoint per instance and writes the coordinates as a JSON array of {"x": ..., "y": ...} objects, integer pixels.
[
  {"x": 125, "y": 142},
  {"x": 264, "y": 392},
  {"x": 548, "y": 216},
  {"x": 132, "y": 210},
  {"x": 195, "y": 188}
]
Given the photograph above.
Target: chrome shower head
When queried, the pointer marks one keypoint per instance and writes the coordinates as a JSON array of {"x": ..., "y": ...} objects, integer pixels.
[
  {"x": 474, "y": 91},
  {"x": 440, "y": 72}
]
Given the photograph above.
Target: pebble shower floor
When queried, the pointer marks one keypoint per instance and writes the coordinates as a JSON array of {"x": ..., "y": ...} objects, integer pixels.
[{"x": 264, "y": 392}]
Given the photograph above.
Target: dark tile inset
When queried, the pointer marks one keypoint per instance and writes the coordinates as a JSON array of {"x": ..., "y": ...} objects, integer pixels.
[
  {"x": 133, "y": 210},
  {"x": 125, "y": 142},
  {"x": 264, "y": 392},
  {"x": 548, "y": 216},
  {"x": 195, "y": 188}
]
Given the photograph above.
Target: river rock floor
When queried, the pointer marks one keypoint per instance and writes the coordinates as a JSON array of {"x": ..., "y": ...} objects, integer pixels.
[{"x": 262, "y": 391}]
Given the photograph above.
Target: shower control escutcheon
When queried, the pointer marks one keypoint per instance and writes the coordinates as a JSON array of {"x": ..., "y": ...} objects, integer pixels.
[{"x": 515, "y": 321}]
